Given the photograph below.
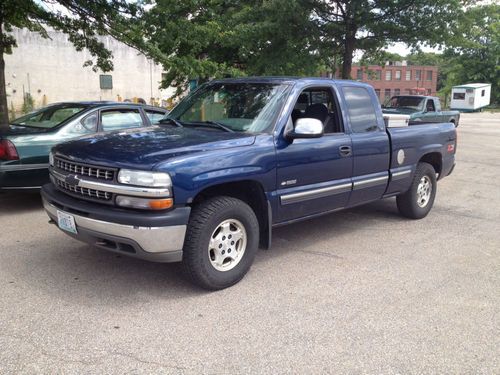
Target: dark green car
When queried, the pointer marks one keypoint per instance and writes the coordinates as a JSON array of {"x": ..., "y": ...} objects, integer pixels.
[{"x": 25, "y": 146}]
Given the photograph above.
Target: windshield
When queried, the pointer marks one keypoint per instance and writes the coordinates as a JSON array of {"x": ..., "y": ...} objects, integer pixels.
[
  {"x": 49, "y": 117},
  {"x": 406, "y": 102},
  {"x": 241, "y": 107}
]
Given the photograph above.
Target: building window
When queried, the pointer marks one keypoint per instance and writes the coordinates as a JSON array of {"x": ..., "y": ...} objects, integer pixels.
[
  {"x": 428, "y": 91},
  {"x": 106, "y": 81},
  {"x": 359, "y": 74},
  {"x": 429, "y": 75},
  {"x": 459, "y": 96},
  {"x": 483, "y": 92},
  {"x": 378, "y": 75},
  {"x": 418, "y": 74},
  {"x": 398, "y": 75},
  {"x": 408, "y": 75},
  {"x": 397, "y": 91},
  {"x": 387, "y": 93},
  {"x": 388, "y": 75}
]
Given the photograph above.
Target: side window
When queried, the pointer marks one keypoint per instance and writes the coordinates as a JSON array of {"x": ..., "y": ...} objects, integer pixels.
[
  {"x": 154, "y": 116},
  {"x": 430, "y": 106},
  {"x": 360, "y": 109},
  {"x": 318, "y": 103},
  {"x": 116, "y": 119},
  {"x": 87, "y": 125}
]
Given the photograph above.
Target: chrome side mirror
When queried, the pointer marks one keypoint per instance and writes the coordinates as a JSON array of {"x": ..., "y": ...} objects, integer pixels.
[{"x": 306, "y": 128}]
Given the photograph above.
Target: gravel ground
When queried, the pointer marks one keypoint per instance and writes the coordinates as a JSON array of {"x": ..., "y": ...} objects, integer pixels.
[{"x": 360, "y": 291}]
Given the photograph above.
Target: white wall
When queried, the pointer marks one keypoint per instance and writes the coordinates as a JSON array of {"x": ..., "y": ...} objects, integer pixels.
[{"x": 54, "y": 69}]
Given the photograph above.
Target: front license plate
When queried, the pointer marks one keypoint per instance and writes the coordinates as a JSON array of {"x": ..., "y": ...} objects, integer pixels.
[{"x": 66, "y": 222}]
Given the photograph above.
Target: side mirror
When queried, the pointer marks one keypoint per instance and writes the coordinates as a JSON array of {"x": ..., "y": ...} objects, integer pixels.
[{"x": 306, "y": 128}]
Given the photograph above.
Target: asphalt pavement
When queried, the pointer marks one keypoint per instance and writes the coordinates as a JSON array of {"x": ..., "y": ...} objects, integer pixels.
[{"x": 363, "y": 291}]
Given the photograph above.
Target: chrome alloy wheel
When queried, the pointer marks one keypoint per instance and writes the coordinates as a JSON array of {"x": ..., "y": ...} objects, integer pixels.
[
  {"x": 424, "y": 191},
  {"x": 227, "y": 245}
]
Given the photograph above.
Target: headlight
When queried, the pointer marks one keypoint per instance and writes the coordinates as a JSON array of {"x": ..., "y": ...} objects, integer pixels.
[
  {"x": 144, "y": 178},
  {"x": 144, "y": 203},
  {"x": 51, "y": 159}
]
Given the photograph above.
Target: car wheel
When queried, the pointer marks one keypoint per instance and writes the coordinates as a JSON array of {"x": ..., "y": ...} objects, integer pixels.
[
  {"x": 221, "y": 242},
  {"x": 418, "y": 200}
]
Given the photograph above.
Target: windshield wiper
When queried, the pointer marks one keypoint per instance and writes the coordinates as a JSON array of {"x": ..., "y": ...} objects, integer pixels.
[
  {"x": 169, "y": 120},
  {"x": 212, "y": 124}
]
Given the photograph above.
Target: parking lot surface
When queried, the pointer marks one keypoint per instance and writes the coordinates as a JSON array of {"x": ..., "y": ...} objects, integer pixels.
[{"x": 359, "y": 291}]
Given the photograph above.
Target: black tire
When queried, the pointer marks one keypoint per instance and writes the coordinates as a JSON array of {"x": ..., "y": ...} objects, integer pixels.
[
  {"x": 408, "y": 203},
  {"x": 205, "y": 219}
]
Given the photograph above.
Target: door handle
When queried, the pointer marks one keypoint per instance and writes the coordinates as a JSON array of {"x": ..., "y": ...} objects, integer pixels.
[{"x": 345, "y": 150}]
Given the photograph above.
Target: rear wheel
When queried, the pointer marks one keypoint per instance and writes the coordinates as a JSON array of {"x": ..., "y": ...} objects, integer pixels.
[
  {"x": 221, "y": 242},
  {"x": 418, "y": 200}
]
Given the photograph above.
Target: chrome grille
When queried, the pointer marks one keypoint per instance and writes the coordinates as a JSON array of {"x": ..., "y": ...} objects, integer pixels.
[
  {"x": 80, "y": 169},
  {"x": 84, "y": 192}
]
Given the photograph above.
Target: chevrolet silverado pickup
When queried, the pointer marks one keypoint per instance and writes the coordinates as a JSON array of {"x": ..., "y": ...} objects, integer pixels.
[
  {"x": 420, "y": 109},
  {"x": 234, "y": 159}
]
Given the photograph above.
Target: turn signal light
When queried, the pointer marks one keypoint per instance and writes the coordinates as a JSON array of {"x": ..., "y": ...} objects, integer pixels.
[
  {"x": 144, "y": 203},
  {"x": 8, "y": 150},
  {"x": 161, "y": 204}
]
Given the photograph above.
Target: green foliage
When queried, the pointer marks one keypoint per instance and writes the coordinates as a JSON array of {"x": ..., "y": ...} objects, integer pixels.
[
  {"x": 475, "y": 56},
  {"x": 369, "y": 25},
  {"x": 28, "y": 103},
  {"x": 206, "y": 39}
]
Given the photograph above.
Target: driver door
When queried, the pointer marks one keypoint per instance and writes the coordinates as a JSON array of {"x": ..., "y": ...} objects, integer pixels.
[{"x": 314, "y": 175}]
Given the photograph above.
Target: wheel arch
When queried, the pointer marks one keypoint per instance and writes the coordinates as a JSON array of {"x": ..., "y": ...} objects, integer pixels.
[
  {"x": 435, "y": 159},
  {"x": 252, "y": 193}
]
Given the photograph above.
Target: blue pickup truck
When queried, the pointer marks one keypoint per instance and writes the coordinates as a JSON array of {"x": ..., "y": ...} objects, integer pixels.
[{"x": 234, "y": 159}]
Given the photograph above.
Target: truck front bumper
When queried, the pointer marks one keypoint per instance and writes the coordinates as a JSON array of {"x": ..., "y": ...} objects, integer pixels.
[{"x": 157, "y": 237}]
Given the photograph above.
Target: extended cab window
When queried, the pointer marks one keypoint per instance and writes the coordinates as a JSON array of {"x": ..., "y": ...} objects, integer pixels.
[
  {"x": 115, "y": 119},
  {"x": 360, "y": 109},
  {"x": 430, "y": 106},
  {"x": 318, "y": 103}
]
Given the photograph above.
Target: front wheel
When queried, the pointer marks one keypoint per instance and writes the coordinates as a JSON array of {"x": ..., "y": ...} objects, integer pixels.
[
  {"x": 418, "y": 200},
  {"x": 221, "y": 242}
]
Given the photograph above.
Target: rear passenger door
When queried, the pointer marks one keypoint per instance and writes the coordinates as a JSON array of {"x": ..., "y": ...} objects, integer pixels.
[{"x": 370, "y": 145}]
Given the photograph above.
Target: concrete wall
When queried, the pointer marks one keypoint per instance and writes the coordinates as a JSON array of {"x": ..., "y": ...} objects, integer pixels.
[{"x": 52, "y": 71}]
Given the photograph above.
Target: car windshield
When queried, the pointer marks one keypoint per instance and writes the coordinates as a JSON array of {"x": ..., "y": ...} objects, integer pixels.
[
  {"x": 406, "y": 102},
  {"x": 49, "y": 117},
  {"x": 240, "y": 107}
]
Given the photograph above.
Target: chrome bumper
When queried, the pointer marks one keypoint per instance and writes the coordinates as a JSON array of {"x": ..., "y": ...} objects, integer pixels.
[{"x": 163, "y": 244}]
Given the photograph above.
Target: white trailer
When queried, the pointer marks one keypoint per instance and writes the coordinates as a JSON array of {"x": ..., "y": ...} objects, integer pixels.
[{"x": 470, "y": 97}]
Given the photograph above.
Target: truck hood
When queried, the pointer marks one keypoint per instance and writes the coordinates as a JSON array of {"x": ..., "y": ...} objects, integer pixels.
[{"x": 144, "y": 147}]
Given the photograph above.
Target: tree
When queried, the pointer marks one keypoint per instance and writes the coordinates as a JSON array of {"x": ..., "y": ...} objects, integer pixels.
[
  {"x": 82, "y": 20},
  {"x": 202, "y": 39},
  {"x": 474, "y": 55},
  {"x": 368, "y": 25}
]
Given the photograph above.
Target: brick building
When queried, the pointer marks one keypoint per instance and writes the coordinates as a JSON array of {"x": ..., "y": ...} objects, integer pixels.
[{"x": 398, "y": 79}]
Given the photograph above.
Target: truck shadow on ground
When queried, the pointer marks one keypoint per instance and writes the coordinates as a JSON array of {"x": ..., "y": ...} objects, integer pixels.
[
  {"x": 83, "y": 274},
  {"x": 19, "y": 202}
]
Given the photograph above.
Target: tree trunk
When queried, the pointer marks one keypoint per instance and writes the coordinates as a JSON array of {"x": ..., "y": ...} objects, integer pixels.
[
  {"x": 349, "y": 45},
  {"x": 4, "y": 109}
]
